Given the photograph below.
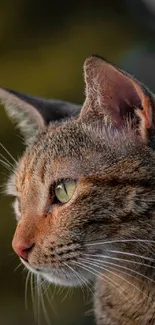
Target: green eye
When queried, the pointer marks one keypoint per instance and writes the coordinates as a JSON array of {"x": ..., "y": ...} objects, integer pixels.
[{"x": 64, "y": 190}]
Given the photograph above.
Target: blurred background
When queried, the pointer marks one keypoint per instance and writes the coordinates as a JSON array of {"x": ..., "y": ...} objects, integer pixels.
[{"x": 43, "y": 45}]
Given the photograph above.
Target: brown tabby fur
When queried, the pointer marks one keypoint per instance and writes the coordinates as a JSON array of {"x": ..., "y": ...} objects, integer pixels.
[{"x": 109, "y": 149}]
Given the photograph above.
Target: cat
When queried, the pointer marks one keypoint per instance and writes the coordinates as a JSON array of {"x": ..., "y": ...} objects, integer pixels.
[{"x": 85, "y": 191}]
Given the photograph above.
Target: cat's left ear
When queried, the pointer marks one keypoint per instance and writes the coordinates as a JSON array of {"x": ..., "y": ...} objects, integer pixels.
[
  {"x": 33, "y": 113},
  {"x": 112, "y": 93}
]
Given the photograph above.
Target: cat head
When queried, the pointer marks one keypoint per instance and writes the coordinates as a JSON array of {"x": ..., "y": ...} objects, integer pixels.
[{"x": 85, "y": 185}]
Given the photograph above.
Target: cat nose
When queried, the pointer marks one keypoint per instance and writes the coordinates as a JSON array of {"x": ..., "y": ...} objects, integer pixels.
[{"x": 22, "y": 249}]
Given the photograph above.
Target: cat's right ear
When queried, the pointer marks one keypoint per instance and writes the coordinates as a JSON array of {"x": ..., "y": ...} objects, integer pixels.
[{"x": 33, "y": 113}]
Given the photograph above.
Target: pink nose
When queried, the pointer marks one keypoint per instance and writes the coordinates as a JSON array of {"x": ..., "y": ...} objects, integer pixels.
[{"x": 22, "y": 249}]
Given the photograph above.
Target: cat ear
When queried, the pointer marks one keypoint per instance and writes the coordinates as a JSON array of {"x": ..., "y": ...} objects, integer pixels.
[
  {"x": 33, "y": 113},
  {"x": 113, "y": 94}
]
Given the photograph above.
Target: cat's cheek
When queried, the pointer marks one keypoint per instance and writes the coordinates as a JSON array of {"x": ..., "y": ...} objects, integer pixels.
[{"x": 58, "y": 217}]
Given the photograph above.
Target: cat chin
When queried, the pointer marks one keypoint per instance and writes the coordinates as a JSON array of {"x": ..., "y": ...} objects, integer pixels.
[
  {"x": 60, "y": 277},
  {"x": 66, "y": 282},
  {"x": 67, "y": 279}
]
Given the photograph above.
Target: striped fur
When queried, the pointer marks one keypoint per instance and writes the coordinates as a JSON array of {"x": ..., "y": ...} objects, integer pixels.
[{"x": 108, "y": 148}]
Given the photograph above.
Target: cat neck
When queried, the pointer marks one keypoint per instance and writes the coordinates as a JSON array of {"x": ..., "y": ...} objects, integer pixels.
[{"x": 125, "y": 300}]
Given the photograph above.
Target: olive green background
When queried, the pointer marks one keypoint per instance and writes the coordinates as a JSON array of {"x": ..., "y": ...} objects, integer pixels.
[{"x": 43, "y": 45}]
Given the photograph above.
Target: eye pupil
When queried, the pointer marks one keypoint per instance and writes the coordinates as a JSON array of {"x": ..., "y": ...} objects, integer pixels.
[{"x": 64, "y": 185}]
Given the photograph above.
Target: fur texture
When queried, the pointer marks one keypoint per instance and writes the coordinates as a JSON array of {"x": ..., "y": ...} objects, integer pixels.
[{"x": 106, "y": 231}]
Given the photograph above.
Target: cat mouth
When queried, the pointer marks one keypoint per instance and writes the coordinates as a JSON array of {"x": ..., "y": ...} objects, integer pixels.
[{"x": 29, "y": 267}]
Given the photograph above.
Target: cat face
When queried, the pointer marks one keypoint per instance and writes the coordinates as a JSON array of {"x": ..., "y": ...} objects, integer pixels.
[{"x": 87, "y": 180}]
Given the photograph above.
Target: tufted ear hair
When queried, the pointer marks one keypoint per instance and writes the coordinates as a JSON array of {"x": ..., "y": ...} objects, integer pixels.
[
  {"x": 115, "y": 95},
  {"x": 33, "y": 113}
]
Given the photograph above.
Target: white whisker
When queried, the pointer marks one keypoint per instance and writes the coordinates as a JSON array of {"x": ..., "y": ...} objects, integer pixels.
[
  {"x": 119, "y": 241},
  {"x": 5, "y": 164},
  {"x": 119, "y": 276},
  {"x": 18, "y": 266},
  {"x": 131, "y": 254},
  {"x": 46, "y": 285},
  {"x": 42, "y": 284},
  {"x": 7, "y": 161},
  {"x": 101, "y": 276},
  {"x": 120, "y": 259},
  {"x": 122, "y": 267},
  {"x": 66, "y": 295},
  {"x": 114, "y": 267},
  {"x": 54, "y": 291},
  {"x": 9, "y": 154},
  {"x": 33, "y": 295},
  {"x": 81, "y": 278},
  {"x": 41, "y": 300},
  {"x": 38, "y": 298},
  {"x": 26, "y": 289}
]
